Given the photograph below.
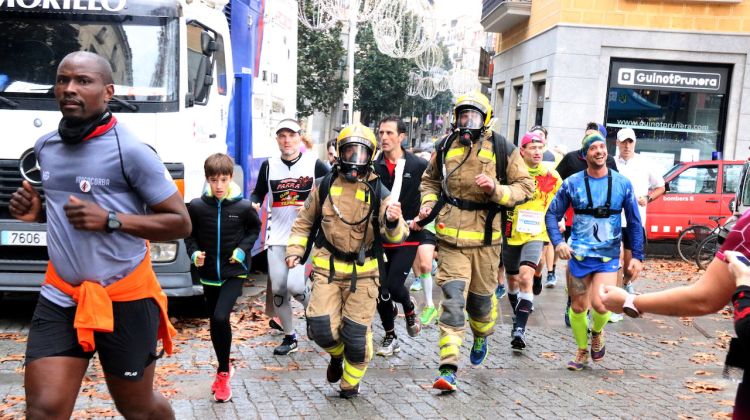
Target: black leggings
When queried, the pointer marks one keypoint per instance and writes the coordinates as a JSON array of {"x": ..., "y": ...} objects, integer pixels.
[
  {"x": 219, "y": 301},
  {"x": 397, "y": 269}
]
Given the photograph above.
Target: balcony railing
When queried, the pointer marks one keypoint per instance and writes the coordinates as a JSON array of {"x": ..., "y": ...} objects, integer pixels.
[{"x": 501, "y": 15}]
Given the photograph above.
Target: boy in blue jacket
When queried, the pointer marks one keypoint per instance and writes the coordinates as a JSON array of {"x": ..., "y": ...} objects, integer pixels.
[{"x": 225, "y": 228}]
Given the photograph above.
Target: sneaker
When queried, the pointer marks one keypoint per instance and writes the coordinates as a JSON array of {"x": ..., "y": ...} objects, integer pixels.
[
  {"x": 413, "y": 327},
  {"x": 349, "y": 393},
  {"x": 429, "y": 314},
  {"x": 478, "y": 351},
  {"x": 551, "y": 280},
  {"x": 500, "y": 291},
  {"x": 215, "y": 385},
  {"x": 275, "y": 325},
  {"x": 417, "y": 285},
  {"x": 629, "y": 288},
  {"x": 581, "y": 360},
  {"x": 389, "y": 346},
  {"x": 613, "y": 317},
  {"x": 537, "y": 286},
  {"x": 598, "y": 349},
  {"x": 446, "y": 381},
  {"x": 221, "y": 387},
  {"x": 288, "y": 345},
  {"x": 335, "y": 369},
  {"x": 519, "y": 339}
]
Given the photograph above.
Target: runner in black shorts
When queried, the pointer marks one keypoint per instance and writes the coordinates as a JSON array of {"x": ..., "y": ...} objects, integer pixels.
[
  {"x": 106, "y": 194},
  {"x": 125, "y": 352}
]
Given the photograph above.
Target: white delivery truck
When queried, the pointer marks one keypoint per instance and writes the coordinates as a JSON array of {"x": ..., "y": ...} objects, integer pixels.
[{"x": 173, "y": 77}]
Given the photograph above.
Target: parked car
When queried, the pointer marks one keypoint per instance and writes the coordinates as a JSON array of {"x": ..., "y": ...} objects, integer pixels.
[
  {"x": 694, "y": 191},
  {"x": 742, "y": 198}
]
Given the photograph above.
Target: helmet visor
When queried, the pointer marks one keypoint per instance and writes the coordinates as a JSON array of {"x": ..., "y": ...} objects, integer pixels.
[
  {"x": 470, "y": 118},
  {"x": 355, "y": 154}
]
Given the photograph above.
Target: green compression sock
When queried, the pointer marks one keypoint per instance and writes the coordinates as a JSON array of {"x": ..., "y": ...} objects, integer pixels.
[
  {"x": 600, "y": 320},
  {"x": 579, "y": 323}
]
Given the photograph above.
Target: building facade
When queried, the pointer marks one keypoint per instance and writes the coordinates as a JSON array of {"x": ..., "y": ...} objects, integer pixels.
[{"x": 675, "y": 71}]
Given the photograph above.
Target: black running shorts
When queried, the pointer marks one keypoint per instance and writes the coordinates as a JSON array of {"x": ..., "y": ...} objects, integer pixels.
[{"x": 125, "y": 352}]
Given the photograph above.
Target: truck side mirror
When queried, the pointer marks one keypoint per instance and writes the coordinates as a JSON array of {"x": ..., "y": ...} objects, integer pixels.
[{"x": 208, "y": 45}]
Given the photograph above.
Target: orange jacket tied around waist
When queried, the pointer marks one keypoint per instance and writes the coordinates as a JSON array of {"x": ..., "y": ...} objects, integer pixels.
[{"x": 94, "y": 311}]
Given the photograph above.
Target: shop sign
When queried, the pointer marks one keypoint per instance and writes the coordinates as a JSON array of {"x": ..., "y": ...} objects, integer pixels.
[{"x": 669, "y": 77}]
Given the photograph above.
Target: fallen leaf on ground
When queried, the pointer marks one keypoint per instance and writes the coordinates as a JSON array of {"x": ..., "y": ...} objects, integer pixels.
[
  {"x": 721, "y": 415},
  {"x": 654, "y": 354},
  {"x": 549, "y": 355},
  {"x": 703, "y": 358},
  {"x": 669, "y": 342},
  {"x": 699, "y": 387},
  {"x": 617, "y": 372},
  {"x": 631, "y": 334},
  {"x": 687, "y": 321},
  {"x": 702, "y": 373},
  {"x": 12, "y": 358},
  {"x": 645, "y": 376},
  {"x": 728, "y": 403},
  {"x": 685, "y": 397},
  {"x": 605, "y": 392}
]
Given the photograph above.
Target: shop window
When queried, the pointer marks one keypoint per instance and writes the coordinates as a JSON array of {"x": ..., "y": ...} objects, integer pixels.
[{"x": 678, "y": 111}]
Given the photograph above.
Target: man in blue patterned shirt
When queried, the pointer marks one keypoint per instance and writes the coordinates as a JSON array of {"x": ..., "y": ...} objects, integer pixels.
[{"x": 598, "y": 196}]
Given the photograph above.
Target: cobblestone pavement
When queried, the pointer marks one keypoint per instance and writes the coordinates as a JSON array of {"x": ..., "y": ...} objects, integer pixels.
[{"x": 655, "y": 367}]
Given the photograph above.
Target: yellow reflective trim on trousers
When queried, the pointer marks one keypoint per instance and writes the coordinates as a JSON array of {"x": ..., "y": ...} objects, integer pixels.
[
  {"x": 450, "y": 340},
  {"x": 297, "y": 240},
  {"x": 342, "y": 267},
  {"x": 337, "y": 350},
  {"x": 449, "y": 351},
  {"x": 429, "y": 197},
  {"x": 480, "y": 326},
  {"x": 458, "y": 151},
  {"x": 351, "y": 374},
  {"x": 488, "y": 154},
  {"x": 464, "y": 234},
  {"x": 484, "y": 326}
]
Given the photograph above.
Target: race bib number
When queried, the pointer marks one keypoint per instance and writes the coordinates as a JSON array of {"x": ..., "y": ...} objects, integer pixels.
[{"x": 530, "y": 221}]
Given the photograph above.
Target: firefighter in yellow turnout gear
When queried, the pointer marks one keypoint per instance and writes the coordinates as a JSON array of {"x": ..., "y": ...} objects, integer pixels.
[
  {"x": 472, "y": 174},
  {"x": 345, "y": 219}
]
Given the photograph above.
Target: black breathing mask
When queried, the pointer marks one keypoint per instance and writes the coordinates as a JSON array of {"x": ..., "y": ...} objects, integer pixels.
[
  {"x": 354, "y": 161},
  {"x": 469, "y": 124}
]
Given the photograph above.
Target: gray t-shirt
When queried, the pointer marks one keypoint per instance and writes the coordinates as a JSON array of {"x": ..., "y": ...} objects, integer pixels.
[{"x": 93, "y": 170}]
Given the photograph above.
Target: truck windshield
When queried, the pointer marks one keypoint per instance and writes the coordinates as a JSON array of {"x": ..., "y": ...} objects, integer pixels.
[{"x": 141, "y": 50}]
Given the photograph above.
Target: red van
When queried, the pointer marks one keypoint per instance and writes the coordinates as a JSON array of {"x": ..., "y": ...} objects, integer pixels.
[{"x": 694, "y": 191}]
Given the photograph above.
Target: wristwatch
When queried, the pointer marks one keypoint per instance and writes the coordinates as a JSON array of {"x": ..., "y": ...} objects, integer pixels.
[
  {"x": 113, "y": 223},
  {"x": 629, "y": 307}
]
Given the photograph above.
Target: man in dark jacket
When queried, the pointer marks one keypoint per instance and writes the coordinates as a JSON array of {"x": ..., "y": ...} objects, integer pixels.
[
  {"x": 391, "y": 132},
  {"x": 225, "y": 228}
]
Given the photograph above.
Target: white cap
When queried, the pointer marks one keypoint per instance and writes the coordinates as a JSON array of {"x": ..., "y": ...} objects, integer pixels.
[
  {"x": 288, "y": 124},
  {"x": 626, "y": 133}
]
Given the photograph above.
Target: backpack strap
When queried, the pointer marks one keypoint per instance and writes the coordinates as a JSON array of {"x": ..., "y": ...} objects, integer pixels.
[{"x": 323, "y": 188}]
